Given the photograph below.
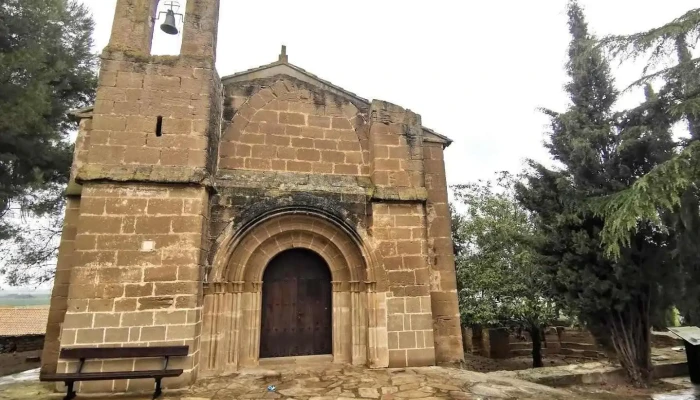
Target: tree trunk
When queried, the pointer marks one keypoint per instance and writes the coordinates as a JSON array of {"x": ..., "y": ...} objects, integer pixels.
[
  {"x": 631, "y": 338},
  {"x": 536, "y": 335}
]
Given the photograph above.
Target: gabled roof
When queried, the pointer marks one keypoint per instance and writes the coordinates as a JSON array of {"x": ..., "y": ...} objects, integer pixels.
[
  {"x": 22, "y": 321},
  {"x": 283, "y": 67},
  {"x": 432, "y": 136}
]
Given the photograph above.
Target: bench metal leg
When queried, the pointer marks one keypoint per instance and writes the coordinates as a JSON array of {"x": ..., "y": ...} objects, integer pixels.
[
  {"x": 158, "y": 390},
  {"x": 71, "y": 393}
]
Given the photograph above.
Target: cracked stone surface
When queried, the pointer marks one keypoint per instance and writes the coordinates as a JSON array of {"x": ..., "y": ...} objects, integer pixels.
[{"x": 336, "y": 382}]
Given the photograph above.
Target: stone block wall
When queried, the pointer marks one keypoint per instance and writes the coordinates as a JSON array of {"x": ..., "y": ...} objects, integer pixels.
[
  {"x": 61, "y": 284},
  {"x": 396, "y": 146},
  {"x": 399, "y": 233},
  {"x": 287, "y": 126},
  {"x": 136, "y": 276},
  {"x": 443, "y": 288},
  {"x": 500, "y": 343},
  {"x": 133, "y": 97}
]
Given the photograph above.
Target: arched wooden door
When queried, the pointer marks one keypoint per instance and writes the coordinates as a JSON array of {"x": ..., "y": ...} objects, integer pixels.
[{"x": 296, "y": 306}]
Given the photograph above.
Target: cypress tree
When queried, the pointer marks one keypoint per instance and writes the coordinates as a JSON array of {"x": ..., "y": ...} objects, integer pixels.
[{"x": 600, "y": 153}]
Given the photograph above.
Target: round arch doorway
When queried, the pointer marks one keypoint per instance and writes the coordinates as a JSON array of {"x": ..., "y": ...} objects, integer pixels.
[{"x": 296, "y": 306}]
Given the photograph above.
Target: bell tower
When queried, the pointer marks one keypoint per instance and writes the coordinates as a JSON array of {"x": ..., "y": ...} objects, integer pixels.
[{"x": 141, "y": 205}]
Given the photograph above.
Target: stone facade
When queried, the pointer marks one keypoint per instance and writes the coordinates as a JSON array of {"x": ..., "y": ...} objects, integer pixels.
[{"x": 185, "y": 186}]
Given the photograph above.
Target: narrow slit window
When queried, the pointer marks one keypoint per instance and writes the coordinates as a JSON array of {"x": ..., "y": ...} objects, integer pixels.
[{"x": 159, "y": 126}]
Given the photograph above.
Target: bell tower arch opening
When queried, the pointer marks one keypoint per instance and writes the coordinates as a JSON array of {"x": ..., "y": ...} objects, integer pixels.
[
  {"x": 168, "y": 23},
  {"x": 296, "y": 306}
]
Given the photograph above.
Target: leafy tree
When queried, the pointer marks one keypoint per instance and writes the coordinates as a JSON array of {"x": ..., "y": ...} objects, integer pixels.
[
  {"x": 46, "y": 69},
  {"x": 500, "y": 283},
  {"x": 459, "y": 237},
  {"x": 600, "y": 154}
]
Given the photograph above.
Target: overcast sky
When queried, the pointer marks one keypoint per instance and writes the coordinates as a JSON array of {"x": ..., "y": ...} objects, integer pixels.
[{"x": 476, "y": 71}]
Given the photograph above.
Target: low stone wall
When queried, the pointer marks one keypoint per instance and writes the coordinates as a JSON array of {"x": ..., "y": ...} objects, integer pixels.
[
  {"x": 13, "y": 363},
  {"x": 665, "y": 339},
  {"x": 488, "y": 342},
  {"x": 500, "y": 343},
  {"x": 18, "y": 344},
  {"x": 666, "y": 364}
]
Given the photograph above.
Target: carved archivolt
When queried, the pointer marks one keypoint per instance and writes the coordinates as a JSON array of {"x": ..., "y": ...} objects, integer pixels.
[{"x": 233, "y": 293}]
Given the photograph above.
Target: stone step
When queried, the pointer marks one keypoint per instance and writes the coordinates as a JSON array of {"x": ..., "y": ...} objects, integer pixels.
[
  {"x": 577, "y": 353},
  {"x": 528, "y": 352},
  {"x": 581, "y": 353},
  {"x": 520, "y": 346},
  {"x": 520, "y": 352},
  {"x": 578, "y": 346}
]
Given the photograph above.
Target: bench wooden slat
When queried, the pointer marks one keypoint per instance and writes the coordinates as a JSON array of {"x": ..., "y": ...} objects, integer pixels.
[
  {"x": 90, "y": 353},
  {"x": 76, "y": 353},
  {"x": 102, "y": 376}
]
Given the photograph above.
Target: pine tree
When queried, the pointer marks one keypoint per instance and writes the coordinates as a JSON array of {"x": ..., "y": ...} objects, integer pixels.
[
  {"x": 669, "y": 195},
  {"x": 46, "y": 69},
  {"x": 673, "y": 184},
  {"x": 602, "y": 153}
]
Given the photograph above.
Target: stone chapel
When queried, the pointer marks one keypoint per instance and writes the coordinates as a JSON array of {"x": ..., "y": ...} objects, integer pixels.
[{"x": 265, "y": 214}]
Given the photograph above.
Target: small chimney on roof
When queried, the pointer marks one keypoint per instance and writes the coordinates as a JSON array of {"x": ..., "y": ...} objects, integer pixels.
[{"x": 283, "y": 55}]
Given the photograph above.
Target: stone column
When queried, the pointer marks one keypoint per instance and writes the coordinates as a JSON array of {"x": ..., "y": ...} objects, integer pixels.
[
  {"x": 132, "y": 29},
  {"x": 342, "y": 333},
  {"x": 377, "y": 347},
  {"x": 443, "y": 291},
  {"x": 59, "y": 294},
  {"x": 232, "y": 356},
  {"x": 252, "y": 313},
  {"x": 200, "y": 32},
  {"x": 359, "y": 326},
  {"x": 220, "y": 326}
]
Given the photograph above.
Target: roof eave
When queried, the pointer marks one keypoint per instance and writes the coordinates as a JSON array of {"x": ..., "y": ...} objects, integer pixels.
[
  {"x": 239, "y": 76},
  {"x": 81, "y": 113},
  {"x": 435, "y": 137}
]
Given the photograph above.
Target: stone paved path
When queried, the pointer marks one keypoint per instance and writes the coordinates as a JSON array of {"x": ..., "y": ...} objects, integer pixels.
[{"x": 331, "y": 382}]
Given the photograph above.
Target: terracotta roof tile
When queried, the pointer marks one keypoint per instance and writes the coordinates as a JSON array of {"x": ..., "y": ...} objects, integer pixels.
[{"x": 20, "y": 321}]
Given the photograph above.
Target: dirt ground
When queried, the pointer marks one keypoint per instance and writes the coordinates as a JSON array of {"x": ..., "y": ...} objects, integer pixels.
[
  {"x": 484, "y": 364},
  {"x": 12, "y": 363},
  {"x": 605, "y": 391},
  {"x": 666, "y": 389}
]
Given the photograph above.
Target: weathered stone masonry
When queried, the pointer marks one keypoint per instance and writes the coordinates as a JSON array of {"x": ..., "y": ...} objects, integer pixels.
[{"x": 167, "y": 236}]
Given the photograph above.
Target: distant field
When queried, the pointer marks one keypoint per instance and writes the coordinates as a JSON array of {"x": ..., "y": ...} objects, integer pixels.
[{"x": 17, "y": 301}]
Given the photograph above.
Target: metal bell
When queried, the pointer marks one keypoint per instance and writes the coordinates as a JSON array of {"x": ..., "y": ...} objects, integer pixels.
[{"x": 169, "y": 25}]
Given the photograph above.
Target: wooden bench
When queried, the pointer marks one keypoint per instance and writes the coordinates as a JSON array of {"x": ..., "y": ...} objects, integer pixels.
[{"x": 89, "y": 353}]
